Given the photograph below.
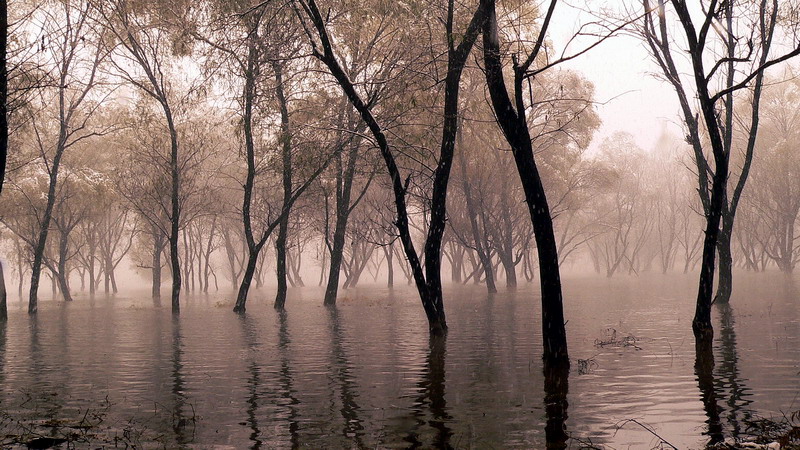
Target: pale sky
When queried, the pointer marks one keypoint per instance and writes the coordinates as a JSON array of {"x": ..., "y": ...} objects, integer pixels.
[{"x": 622, "y": 72}]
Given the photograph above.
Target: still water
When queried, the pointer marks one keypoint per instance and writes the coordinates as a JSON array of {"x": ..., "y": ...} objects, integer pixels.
[{"x": 122, "y": 371}]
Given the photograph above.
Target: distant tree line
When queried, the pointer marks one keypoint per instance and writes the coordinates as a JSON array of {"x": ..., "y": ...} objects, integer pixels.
[{"x": 204, "y": 142}]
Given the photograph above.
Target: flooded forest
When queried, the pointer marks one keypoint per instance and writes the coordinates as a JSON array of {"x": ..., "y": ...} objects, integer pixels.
[{"x": 400, "y": 224}]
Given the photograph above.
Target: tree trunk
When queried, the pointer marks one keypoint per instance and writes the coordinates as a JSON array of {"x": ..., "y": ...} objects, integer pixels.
[
  {"x": 158, "y": 246},
  {"x": 428, "y": 282},
  {"x": 725, "y": 282},
  {"x": 280, "y": 263},
  {"x": 556, "y": 388},
  {"x": 62, "y": 275},
  {"x": 472, "y": 212},
  {"x": 247, "y": 279},
  {"x": 344, "y": 182},
  {"x": 390, "y": 266},
  {"x": 3, "y": 294},
  {"x": 44, "y": 227},
  {"x": 515, "y": 128},
  {"x": 3, "y": 91},
  {"x": 286, "y": 154}
]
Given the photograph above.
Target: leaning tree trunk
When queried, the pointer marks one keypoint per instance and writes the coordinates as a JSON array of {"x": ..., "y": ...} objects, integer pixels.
[
  {"x": 514, "y": 124},
  {"x": 44, "y": 226},
  {"x": 428, "y": 280},
  {"x": 253, "y": 247}
]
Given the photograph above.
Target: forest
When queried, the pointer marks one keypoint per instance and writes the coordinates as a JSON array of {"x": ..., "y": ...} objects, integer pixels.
[{"x": 242, "y": 149}]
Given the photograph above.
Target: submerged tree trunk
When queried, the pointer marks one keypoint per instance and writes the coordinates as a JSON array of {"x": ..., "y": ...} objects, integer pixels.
[
  {"x": 428, "y": 280},
  {"x": 725, "y": 282},
  {"x": 62, "y": 275},
  {"x": 175, "y": 213},
  {"x": 44, "y": 226},
  {"x": 513, "y": 122},
  {"x": 286, "y": 155},
  {"x": 344, "y": 186},
  {"x": 556, "y": 388}
]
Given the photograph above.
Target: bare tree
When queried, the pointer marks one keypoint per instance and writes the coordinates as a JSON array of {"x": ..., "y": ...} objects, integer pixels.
[
  {"x": 428, "y": 281},
  {"x": 723, "y": 20}
]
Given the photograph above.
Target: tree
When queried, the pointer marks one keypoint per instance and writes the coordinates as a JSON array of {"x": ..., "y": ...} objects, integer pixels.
[
  {"x": 721, "y": 19},
  {"x": 513, "y": 122},
  {"x": 143, "y": 45},
  {"x": 75, "y": 66},
  {"x": 428, "y": 281}
]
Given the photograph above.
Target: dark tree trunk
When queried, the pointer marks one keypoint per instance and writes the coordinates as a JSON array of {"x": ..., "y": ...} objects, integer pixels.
[
  {"x": 3, "y": 293},
  {"x": 344, "y": 186},
  {"x": 513, "y": 122},
  {"x": 286, "y": 155},
  {"x": 3, "y": 131},
  {"x": 725, "y": 282},
  {"x": 158, "y": 247},
  {"x": 704, "y": 371},
  {"x": 280, "y": 264},
  {"x": 3, "y": 91},
  {"x": 174, "y": 257},
  {"x": 248, "y": 96},
  {"x": 62, "y": 276},
  {"x": 556, "y": 388},
  {"x": 428, "y": 282},
  {"x": 44, "y": 227},
  {"x": 247, "y": 279}
]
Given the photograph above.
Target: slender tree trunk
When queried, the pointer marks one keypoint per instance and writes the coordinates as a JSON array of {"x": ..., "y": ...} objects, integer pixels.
[
  {"x": 3, "y": 294},
  {"x": 472, "y": 212},
  {"x": 3, "y": 133},
  {"x": 62, "y": 275},
  {"x": 343, "y": 194},
  {"x": 513, "y": 122},
  {"x": 248, "y": 96},
  {"x": 286, "y": 154},
  {"x": 44, "y": 227},
  {"x": 725, "y": 282},
  {"x": 3, "y": 91},
  {"x": 389, "y": 265},
  {"x": 428, "y": 281},
  {"x": 247, "y": 279},
  {"x": 158, "y": 246}
]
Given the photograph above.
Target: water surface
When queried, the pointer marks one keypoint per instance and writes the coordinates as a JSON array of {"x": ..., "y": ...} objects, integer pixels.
[{"x": 365, "y": 374}]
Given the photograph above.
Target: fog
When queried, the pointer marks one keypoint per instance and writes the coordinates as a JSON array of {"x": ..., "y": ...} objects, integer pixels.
[{"x": 535, "y": 194}]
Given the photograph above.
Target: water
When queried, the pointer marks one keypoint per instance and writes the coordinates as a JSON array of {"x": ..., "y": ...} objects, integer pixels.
[{"x": 366, "y": 375}]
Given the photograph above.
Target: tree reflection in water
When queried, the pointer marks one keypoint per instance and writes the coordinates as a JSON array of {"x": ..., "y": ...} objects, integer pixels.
[
  {"x": 285, "y": 378},
  {"x": 556, "y": 387},
  {"x": 704, "y": 371},
  {"x": 343, "y": 373},
  {"x": 431, "y": 398},
  {"x": 180, "y": 423},
  {"x": 728, "y": 375},
  {"x": 253, "y": 380}
]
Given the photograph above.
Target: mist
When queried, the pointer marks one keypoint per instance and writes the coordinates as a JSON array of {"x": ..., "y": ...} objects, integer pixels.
[{"x": 387, "y": 224}]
